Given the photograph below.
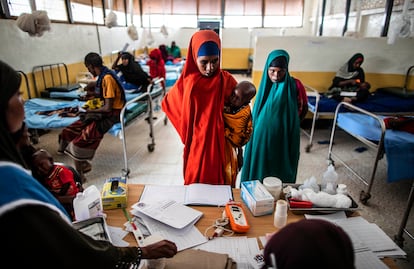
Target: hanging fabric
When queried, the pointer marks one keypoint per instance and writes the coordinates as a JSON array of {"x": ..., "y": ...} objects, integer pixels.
[
  {"x": 111, "y": 18},
  {"x": 36, "y": 23},
  {"x": 132, "y": 30},
  {"x": 149, "y": 37},
  {"x": 163, "y": 29}
]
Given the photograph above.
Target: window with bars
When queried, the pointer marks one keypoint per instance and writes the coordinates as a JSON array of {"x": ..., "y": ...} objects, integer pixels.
[{"x": 175, "y": 13}]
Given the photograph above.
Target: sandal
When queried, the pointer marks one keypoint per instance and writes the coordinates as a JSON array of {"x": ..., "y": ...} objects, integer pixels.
[
  {"x": 83, "y": 167},
  {"x": 86, "y": 167}
]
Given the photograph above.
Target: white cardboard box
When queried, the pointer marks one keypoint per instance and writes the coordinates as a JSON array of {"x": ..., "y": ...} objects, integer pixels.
[{"x": 257, "y": 198}]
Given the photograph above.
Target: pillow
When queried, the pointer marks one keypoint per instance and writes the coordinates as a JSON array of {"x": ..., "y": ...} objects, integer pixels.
[{"x": 63, "y": 88}]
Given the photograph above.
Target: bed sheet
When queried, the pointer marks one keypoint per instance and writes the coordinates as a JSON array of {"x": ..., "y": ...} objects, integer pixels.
[
  {"x": 36, "y": 121},
  {"x": 54, "y": 121},
  {"x": 377, "y": 102},
  {"x": 398, "y": 145}
]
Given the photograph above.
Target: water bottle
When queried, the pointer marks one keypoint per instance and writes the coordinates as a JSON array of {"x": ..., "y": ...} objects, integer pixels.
[
  {"x": 88, "y": 204},
  {"x": 329, "y": 180}
]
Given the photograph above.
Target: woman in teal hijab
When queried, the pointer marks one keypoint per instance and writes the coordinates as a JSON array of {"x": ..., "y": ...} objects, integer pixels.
[{"x": 280, "y": 105}]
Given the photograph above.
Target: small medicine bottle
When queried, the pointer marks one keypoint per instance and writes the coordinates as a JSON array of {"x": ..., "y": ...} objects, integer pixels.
[{"x": 329, "y": 180}]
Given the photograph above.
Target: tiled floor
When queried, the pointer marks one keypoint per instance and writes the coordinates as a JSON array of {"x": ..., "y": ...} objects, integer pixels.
[{"x": 164, "y": 166}]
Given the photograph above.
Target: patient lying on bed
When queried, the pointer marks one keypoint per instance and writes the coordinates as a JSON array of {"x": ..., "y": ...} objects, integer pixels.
[{"x": 63, "y": 112}]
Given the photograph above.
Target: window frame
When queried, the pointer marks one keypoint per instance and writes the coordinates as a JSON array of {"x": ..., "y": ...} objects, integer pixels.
[{"x": 175, "y": 13}]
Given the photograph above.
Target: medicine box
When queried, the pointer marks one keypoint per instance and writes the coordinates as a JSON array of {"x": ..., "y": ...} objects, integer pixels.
[
  {"x": 257, "y": 198},
  {"x": 114, "y": 193}
]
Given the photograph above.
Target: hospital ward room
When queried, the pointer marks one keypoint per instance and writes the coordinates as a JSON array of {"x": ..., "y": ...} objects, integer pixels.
[{"x": 226, "y": 134}]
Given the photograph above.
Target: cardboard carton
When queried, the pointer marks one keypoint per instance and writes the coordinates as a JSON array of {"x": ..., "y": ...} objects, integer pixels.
[
  {"x": 257, "y": 198},
  {"x": 114, "y": 193}
]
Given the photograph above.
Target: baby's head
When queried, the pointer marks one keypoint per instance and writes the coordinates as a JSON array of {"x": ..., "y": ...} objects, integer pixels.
[
  {"x": 365, "y": 86},
  {"x": 42, "y": 162},
  {"x": 242, "y": 94}
]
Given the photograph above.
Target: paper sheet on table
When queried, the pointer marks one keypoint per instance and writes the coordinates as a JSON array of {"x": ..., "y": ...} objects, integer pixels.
[
  {"x": 184, "y": 238},
  {"x": 365, "y": 234},
  {"x": 169, "y": 212},
  {"x": 239, "y": 248},
  {"x": 116, "y": 234}
]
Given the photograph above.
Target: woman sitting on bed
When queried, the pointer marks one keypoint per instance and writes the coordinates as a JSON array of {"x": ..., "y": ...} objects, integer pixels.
[
  {"x": 133, "y": 77},
  {"x": 81, "y": 139},
  {"x": 349, "y": 83}
]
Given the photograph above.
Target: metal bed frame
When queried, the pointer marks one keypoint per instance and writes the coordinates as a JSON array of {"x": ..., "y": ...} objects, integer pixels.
[
  {"x": 148, "y": 98},
  {"x": 51, "y": 75},
  {"x": 329, "y": 115},
  {"x": 379, "y": 147}
]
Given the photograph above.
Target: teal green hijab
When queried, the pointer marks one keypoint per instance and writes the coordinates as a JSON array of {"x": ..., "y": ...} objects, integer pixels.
[{"x": 273, "y": 148}]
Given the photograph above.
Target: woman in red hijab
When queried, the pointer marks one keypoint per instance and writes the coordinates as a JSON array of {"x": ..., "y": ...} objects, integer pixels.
[
  {"x": 195, "y": 104},
  {"x": 156, "y": 64}
]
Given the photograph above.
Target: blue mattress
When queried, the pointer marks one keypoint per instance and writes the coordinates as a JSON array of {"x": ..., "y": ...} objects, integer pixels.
[
  {"x": 377, "y": 102},
  {"x": 398, "y": 145},
  {"x": 36, "y": 121}
]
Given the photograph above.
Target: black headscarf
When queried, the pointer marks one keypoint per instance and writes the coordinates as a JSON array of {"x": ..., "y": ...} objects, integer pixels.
[
  {"x": 351, "y": 61},
  {"x": 280, "y": 62},
  {"x": 133, "y": 72},
  {"x": 10, "y": 81},
  {"x": 311, "y": 243}
]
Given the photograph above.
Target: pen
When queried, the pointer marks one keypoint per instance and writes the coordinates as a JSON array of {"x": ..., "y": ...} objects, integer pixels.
[{"x": 137, "y": 232}]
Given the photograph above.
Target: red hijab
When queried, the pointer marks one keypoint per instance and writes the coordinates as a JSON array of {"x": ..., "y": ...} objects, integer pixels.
[
  {"x": 156, "y": 64},
  {"x": 194, "y": 105}
]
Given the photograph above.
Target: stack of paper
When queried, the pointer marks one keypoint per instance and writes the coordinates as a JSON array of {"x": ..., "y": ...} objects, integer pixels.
[
  {"x": 369, "y": 241},
  {"x": 169, "y": 212},
  {"x": 169, "y": 220},
  {"x": 366, "y": 234}
]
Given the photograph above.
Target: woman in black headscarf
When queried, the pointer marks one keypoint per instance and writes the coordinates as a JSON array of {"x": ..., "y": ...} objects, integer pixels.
[
  {"x": 349, "y": 83},
  {"x": 310, "y": 243},
  {"x": 134, "y": 78}
]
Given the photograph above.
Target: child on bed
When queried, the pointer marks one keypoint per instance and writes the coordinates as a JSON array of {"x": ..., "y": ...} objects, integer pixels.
[
  {"x": 237, "y": 128},
  {"x": 57, "y": 178}
]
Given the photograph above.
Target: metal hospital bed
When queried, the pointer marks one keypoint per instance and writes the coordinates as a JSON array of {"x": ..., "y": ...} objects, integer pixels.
[
  {"x": 384, "y": 101},
  {"x": 397, "y": 146},
  {"x": 52, "y": 81},
  {"x": 139, "y": 105}
]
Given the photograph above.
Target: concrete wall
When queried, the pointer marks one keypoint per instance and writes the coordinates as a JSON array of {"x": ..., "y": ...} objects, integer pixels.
[{"x": 315, "y": 60}]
